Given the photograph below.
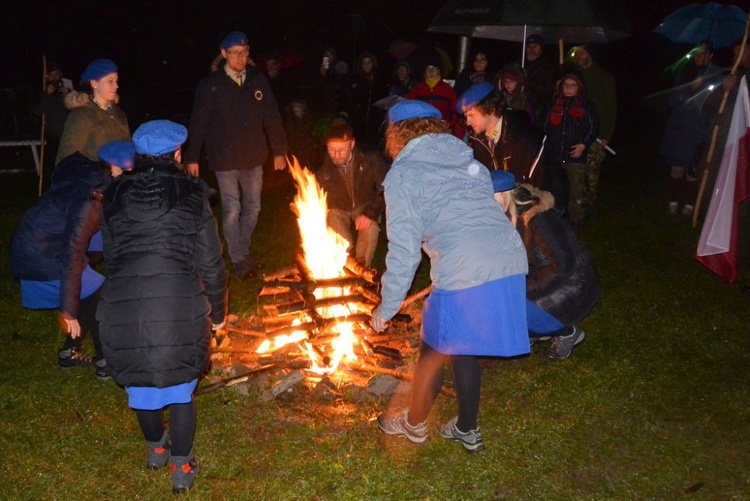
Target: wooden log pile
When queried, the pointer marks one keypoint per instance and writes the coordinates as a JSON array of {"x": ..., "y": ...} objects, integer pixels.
[{"x": 296, "y": 304}]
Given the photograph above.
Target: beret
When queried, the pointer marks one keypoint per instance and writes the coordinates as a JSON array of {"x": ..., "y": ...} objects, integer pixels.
[
  {"x": 473, "y": 96},
  {"x": 412, "y": 109},
  {"x": 98, "y": 69},
  {"x": 232, "y": 39},
  {"x": 159, "y": 137},
  {"x": 118, "y": 153},
  {"x": 502, "y": 180}
]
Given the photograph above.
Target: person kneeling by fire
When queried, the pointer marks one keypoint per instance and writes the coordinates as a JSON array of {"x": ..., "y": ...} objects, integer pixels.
[
  {"x": 562, "y": 286},
  {"x": 441, "y": 199},
  {"x": 352, "y": 177}
]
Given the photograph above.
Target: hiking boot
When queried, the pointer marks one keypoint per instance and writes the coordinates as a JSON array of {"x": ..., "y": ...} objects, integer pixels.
[
  {"x": 471, "y": 440},
  {"x": 563, "y": 346},
  {"x": 158, "y": 453},
  {"x": 183, "y": 470},
  {"x": 102, "y": 370},
  {"x": 397, "y": 424},
  {"x": 538, "y": 339},
  {"x": 72, "y": 358}
]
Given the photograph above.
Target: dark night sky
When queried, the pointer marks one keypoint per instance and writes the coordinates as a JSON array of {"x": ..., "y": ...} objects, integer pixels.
[{"x": 163, "y": 45}]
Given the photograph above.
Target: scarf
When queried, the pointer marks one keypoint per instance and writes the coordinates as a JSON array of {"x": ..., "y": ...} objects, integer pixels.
[{"x": 576, "y": 110}]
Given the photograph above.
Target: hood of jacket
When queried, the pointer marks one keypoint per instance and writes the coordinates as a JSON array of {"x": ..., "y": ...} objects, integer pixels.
[
  {"x": 76, "y": 99},
  {"x": 79, "y": 169},
  {"x": 441, "y": 150}
]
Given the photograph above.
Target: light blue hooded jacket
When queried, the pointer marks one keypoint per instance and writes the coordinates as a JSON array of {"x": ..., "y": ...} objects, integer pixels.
[{"x": 441, "y": 199}]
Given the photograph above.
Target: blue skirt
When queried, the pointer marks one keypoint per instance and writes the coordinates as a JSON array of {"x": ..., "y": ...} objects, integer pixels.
[
  {"x": 149, "y": 398},
  {"x": 45, "y": 294},
  {"x": 489, "y": 319}
]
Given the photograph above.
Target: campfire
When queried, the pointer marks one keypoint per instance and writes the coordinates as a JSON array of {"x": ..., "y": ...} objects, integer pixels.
[
  {"x": 316, "y": 312},
  {"x": 327, "y": 297}
]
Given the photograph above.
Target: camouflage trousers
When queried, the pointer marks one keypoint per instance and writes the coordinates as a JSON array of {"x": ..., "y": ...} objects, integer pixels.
[{"x": 594, "y": 161}]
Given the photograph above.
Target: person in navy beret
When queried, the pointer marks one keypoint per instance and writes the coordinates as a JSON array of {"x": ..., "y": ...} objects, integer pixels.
[
  {"x": 438, "y": 198},
  {"x": 235, "y": 117},
  {"x": 95, "y": 118},
  {"x": 165, "y": 292}
]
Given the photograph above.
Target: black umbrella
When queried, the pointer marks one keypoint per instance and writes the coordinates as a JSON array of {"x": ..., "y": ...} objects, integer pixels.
[{"x": 572, "y": 21}]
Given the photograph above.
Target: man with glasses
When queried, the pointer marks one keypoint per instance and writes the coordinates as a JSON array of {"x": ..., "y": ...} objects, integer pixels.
[
  {"x": 353, "y": 177},
  {"x": 235, "y": 116}
]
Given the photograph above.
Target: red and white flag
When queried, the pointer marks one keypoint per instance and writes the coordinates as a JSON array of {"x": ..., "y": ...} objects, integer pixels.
[{"x": 717, "y": 247}]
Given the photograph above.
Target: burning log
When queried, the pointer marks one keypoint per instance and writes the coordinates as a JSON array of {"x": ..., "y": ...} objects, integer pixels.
[
  {"x": 286, "y": 286},
  {"x": 322, "y": 323},
  {"x": 282, "y": 273},
  {"x": 369, "y": 295},
  {"x": 246, "y": 332},
  {"x": 304, "y": 271},
  {"x": 387, "y": 338},
  {"x": 239, "y": 378},
  {"x": 278, "y": 320},
  {"x": 369, "y": 274},
  {"x": 325, "y": 302}
]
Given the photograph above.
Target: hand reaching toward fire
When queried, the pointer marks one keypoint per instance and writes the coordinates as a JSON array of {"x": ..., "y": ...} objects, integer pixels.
[
  {"x": 69, "y": 325},
  {"x": 378, "y": 323}
]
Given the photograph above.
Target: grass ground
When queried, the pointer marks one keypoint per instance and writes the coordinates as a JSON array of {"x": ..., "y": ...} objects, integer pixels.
[{"x": 653, "y": 405}]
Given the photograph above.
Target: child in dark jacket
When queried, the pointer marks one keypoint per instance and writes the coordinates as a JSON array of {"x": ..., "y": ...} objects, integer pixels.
[{"x": 572, "y": 126}]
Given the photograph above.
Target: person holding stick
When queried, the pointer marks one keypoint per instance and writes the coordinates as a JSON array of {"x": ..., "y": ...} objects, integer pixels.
[{"x": 440, "y": 199}]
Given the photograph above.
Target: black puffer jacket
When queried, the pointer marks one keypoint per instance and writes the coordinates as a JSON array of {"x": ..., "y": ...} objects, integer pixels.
[
  {"x": 562, "y": 279},
  {"x": 166, "y": 280}
]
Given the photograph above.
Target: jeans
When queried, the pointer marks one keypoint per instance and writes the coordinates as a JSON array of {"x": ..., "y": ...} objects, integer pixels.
[{"x": 240, "y": 206}]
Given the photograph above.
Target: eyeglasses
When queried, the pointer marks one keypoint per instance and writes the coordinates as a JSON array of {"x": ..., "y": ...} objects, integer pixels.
[
  {"x": 239, "y": 54},
  {"x": 480, "y": 59},
  {"x": 570, "y": 85}
]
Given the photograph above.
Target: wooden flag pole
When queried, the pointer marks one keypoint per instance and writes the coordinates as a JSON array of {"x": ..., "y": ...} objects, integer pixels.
[{"x": 715, "y": 132}]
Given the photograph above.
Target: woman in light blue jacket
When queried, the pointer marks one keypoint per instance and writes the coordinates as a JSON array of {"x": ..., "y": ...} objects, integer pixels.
[{"x": 438, "y": 198}]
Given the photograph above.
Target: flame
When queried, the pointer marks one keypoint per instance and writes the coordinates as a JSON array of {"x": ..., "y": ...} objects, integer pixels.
[{"x": 325, "y": 254}]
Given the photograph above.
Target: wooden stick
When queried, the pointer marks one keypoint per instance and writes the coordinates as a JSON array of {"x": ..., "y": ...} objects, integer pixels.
[
  {"x": 234, "y": 379},
  {"x": 369, "y": 274},
  {"x": 282, "y": 273},
  {"x": 419, "y": 295},
  {"x": 248, "y": 332},
  {"x": 714, "y": 134}
]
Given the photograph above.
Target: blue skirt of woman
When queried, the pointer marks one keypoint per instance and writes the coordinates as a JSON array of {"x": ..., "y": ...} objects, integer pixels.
[
  {"x": 488, "y": 320},
  {"x": 149, "y": 398}
]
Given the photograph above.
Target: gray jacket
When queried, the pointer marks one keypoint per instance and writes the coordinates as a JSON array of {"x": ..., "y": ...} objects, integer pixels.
[{"x": 440, "y": 199}]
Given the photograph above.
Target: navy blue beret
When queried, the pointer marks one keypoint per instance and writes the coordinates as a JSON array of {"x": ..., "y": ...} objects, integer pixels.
[
  {"x": 412, "y": 109},
  {"x": 502, "y": 180},
  {"x": 98, "y": 69},
  {"x": 232, "y": 39},
  {"x": 118, "y": 153},
  {"x": 473, "y": 96},
  {"x": 159, "y": 137}
]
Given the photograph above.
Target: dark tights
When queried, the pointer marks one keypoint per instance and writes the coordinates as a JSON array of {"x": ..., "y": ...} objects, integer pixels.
[
  {"x": 87, "y": 319},
  {"x": 181, "y": 426},
  {"x": 428, "y": 379}
]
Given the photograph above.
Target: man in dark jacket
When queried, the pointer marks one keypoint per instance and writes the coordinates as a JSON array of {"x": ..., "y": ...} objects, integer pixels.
[
  {"x": 502, "y": 139},
  {"x": 48, "y": 253},
  {"x": 353, "y": 179},
  {"x": 234, "y": 114},
  {"x": 541, "y": 74},
  {"x": 166, "y": 289}
]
